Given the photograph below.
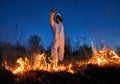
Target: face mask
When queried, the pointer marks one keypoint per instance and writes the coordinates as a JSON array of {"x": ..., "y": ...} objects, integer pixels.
[{"x": 58, "y": 19}]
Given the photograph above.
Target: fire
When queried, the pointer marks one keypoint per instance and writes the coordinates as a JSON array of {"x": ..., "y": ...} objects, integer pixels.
[
  {"x": 38, "y": 63},
  {"x": 105, "y": 56},
  {"x": 102, "y": 57}
]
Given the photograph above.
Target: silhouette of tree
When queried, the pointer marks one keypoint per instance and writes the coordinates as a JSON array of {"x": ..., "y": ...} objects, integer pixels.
[{"x": 34, "y": 44}]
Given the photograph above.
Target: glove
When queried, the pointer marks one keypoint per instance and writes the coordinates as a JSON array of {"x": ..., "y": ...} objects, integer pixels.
[{"x": 53, "y": 9}]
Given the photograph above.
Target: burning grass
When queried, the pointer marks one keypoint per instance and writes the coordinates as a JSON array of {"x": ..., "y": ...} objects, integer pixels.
[
  {"x": 102, "y": 67},
  {"x": 38, "y": 63}
]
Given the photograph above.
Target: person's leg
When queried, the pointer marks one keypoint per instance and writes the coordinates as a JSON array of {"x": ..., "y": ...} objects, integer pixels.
[
  {"x": 61, "y": 50},
  {"x": 54, "y": 51}
]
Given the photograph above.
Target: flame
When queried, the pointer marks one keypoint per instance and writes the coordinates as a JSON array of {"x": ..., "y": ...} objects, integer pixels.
[
  {"x": 38, "y": 63},
  {"x": 102, "y": 57}
]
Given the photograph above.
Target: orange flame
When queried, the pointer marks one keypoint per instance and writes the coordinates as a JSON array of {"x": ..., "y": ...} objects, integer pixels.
[
  {"x": 102, "y": 57},
  {"x": 105, "y": 56},
  {"x": 39, "y": 63}
]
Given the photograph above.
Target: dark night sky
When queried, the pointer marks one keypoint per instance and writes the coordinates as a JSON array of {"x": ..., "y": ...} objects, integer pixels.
[{"x": 97, "y": 20}]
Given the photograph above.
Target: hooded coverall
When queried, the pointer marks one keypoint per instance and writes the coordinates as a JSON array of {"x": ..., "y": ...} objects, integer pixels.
[{"x": 57, "y": 49}]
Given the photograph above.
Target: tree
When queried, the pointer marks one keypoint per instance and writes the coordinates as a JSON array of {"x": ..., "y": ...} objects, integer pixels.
[{"x": 34, "y": 44}]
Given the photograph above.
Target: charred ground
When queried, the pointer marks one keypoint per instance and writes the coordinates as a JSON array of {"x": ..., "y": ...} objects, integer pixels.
[{"x": 91, "y": 74}]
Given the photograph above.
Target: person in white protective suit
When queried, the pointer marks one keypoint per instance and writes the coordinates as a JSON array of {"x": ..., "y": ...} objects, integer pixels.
[{"x": 57, "y": 49}]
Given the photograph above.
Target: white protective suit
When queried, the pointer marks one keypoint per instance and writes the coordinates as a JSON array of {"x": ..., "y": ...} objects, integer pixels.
[{"x": 57, "y": 49}]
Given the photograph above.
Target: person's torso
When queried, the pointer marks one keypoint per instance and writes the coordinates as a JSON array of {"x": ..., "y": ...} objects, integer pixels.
[{"x": 59, "y": 31}]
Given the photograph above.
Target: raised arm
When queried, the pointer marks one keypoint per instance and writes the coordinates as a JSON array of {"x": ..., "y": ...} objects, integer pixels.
[
  {"x": 51, "y": 21},
  {"x": 51, "y": 16}
]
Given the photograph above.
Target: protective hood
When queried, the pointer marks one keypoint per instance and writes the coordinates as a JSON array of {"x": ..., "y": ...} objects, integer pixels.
[{"x": 58, "y": 14}]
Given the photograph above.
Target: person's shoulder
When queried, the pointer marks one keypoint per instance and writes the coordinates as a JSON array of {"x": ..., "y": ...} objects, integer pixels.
[{"x": 61, "y": 23}]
